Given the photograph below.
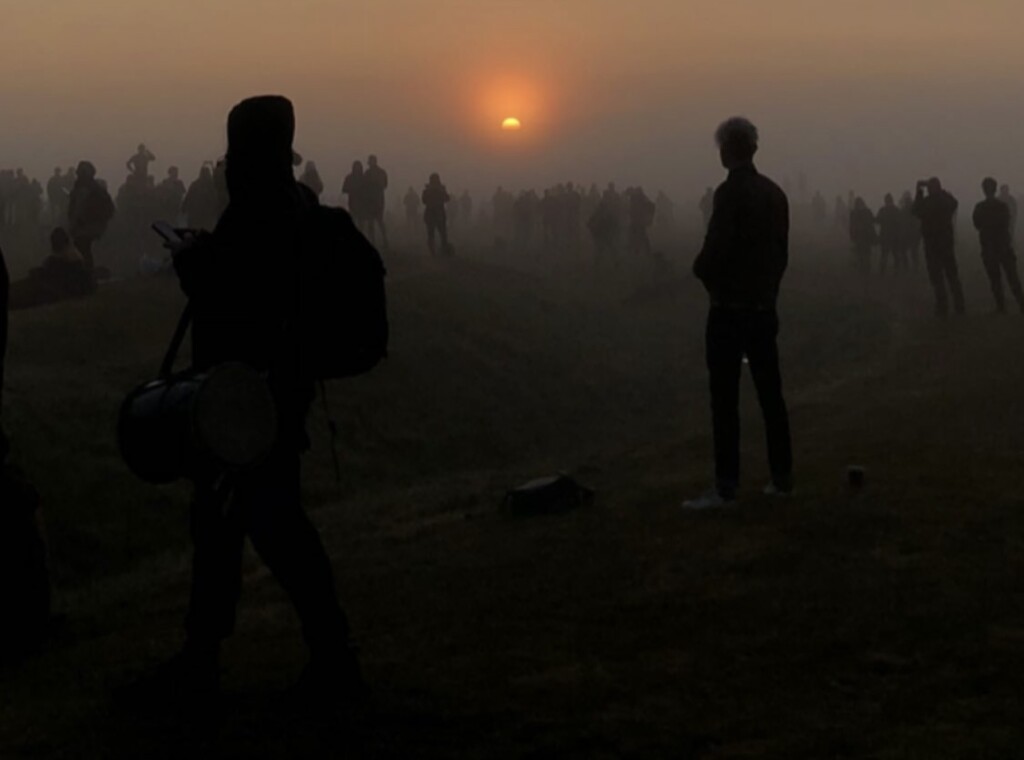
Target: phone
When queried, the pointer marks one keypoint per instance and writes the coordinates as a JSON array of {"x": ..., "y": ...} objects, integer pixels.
[{"x": 167, "y": 232}]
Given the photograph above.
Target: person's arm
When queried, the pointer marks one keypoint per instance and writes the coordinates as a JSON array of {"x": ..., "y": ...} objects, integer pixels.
[
  {"x": 976, "y": 217},
  {"x": 718, "y": 241}
]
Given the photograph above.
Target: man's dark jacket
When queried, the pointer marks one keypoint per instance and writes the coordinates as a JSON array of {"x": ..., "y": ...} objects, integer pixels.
[{"x": 746, "y": 250}]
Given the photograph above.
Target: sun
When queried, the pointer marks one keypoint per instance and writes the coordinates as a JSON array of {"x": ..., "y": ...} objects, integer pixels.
[{"x": 511, "y": 124}]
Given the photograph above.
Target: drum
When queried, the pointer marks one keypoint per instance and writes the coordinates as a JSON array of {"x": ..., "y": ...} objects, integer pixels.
[{"x": 223, "y": 420}]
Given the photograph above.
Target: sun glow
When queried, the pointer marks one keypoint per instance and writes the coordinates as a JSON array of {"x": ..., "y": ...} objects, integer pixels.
[{"x": 511, "y": 124}]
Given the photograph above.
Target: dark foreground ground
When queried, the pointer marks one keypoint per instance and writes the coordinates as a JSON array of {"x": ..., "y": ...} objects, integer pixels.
[{"x": 882, "y": 624}]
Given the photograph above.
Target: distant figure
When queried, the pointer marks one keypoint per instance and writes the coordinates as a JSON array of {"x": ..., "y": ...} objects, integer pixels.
[
  {"x": 841, "y": 216},
  {"x": 604, "y": 227},
  {"x": 435, "y": 197},
  {"x": 200, "y": 204},
  {"x": 170, "y": 195},
  {"x": 573, "y": 218},
  {"x": 1011, "y": 203},
  {"x": 992, "y": 221},
  {"x": 90, "y": 210},
  {"x": 707, "y": 206},
  {"x": 910, "y": 238},
  {"x": 937, "y": 211},
  {"x": 641, "y": 217},
  {"x": 819, "y": 209},
  {"x": 244, "y": 303},
  {"x": 57, "y": 197},
  {"x": 63, "y": 275},
  {"x": 890, "y": 235},
  {"x": 311, "y": 179},
  {"x": 412, "y": 208},
  {"x": 744, "y": 257},
  {"x": 375, "y": 183},
  {"x": 138, "y": 165},
  {"x": 862, "y": 234},
  {"x": 354, "y": 187}
]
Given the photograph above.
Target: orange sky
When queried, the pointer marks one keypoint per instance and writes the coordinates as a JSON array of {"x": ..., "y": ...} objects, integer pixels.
[{"x": 847, "y": 92}]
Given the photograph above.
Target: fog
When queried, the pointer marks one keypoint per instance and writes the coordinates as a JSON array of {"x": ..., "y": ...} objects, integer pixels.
[{"x": 865, "y": 96}]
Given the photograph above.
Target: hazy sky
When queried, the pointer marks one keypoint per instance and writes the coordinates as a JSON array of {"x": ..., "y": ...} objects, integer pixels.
[{"x": 868, "y": 94}]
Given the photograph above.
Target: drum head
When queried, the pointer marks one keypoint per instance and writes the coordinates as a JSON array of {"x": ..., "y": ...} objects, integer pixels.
[{"x": 234, "y": 418}]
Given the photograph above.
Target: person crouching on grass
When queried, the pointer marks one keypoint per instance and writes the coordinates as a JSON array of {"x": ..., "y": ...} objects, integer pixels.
[{"x": 741, "y": 265}]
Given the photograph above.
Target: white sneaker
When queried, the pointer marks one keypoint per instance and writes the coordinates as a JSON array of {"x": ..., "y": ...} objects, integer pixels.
[
  {"x": 710, "y": 500},
  {"x": 773, "y": 490}
]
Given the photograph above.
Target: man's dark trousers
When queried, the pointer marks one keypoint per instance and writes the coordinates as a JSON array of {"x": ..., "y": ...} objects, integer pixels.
[
  {"x": 264, "y": 504},
  {"x": 940, "y": 256},
  {"x": 731, "y": 334},
  {"x": 997, "y": 261}
]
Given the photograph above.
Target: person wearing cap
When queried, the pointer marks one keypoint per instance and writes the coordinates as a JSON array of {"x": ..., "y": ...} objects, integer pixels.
[
  {"x": 243, "y": 283},
  {"x": 745, "y": 254},
  {"x": 992, "y": 221},
  {"x": 937, "y": 213}
]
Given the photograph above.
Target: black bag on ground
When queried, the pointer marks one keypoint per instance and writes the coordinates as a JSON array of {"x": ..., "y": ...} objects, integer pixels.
[{"x": 343, "y": 310}]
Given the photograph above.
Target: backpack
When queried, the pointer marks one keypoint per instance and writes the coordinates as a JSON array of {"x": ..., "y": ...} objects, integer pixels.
[{"x": 343, "y": 310}]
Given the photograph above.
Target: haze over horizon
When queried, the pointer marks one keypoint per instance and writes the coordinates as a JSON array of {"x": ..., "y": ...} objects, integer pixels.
[{"x": 868, "y": 97}]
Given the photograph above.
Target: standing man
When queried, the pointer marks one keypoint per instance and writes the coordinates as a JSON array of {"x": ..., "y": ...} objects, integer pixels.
[
  {"x": 992, "y": 220},
  {"x": 890, "y": 234},
  {"x": 435, "y": 198},
  {"x": 376, "y": 182},
  {"x": 244, "y": 283},
  {"x": 90, "y": 210},
  {"x": 937, "y": 212},
  {"x": 1006, "y": 197},
  {"x": 745, "y": 254}
]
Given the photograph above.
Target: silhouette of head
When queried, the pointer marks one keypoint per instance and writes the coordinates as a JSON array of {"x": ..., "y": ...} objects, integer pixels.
[
  {"x": 142, "y": 147},
  {"x": 85, "y": 170},
  {"x": 56, "y": 171},
  {"x": 934, "y": 186},
  {"x": 260, "y": 134},
  {"x": 989, "y": 187},
  {"x": 372, "y": 161},
  {"x": 357, "y": 167},
  {"x": 435, "y": 179},
  {"x": 889, "y": 200},
  {"x": 173, "y": 172},
  {"x": 859, "y": 204},
  {"x": 311, "y": 166},
  {"x": 737, "y": 142},
  {"x": 1004, "y": 191}
]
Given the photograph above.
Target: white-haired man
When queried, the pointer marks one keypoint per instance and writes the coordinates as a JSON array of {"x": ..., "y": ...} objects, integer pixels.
[{"x": 741, "y": 264}]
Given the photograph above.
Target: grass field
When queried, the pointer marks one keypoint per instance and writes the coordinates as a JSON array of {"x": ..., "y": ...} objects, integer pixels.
[{"x": 885, "y": 623}]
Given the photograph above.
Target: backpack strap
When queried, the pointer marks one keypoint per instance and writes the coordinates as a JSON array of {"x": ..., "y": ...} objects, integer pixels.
[{"x": 167, "y": 366}]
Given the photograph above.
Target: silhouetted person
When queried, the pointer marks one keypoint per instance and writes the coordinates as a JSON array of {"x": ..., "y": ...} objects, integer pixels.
[
  {"x": 862, "y": 234},
  {"x": 354, "y": 188},
  {"x": 200, "y": 205},
  {"x": 435, "y": 199},
  {"x": 890, "y": 234},
  {"x": 5, "y": 283},
  {"x": 138, "y": 165},
  {"x": 744, "y": 257},
  {"x": 819, "y": 209},
  {"x": 90, "y": 210},
  {"x": 244, "y": 285},
  {"x": 641, "y": 217},
  {"x": 63, "y": 275},
  {"x": 412, "y": 208},
  {"x": 910, "y": 239},
  {"x": 992, "y": 221},
  {"x": 937, "y": 211},
  {"x": 375, "y": 182},
  {"x": 57, "y": 197},
  {"x": 170, "y": 195},
  {"x": 311, "y": 179},
  {"x": 1011, "y": 203}
]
